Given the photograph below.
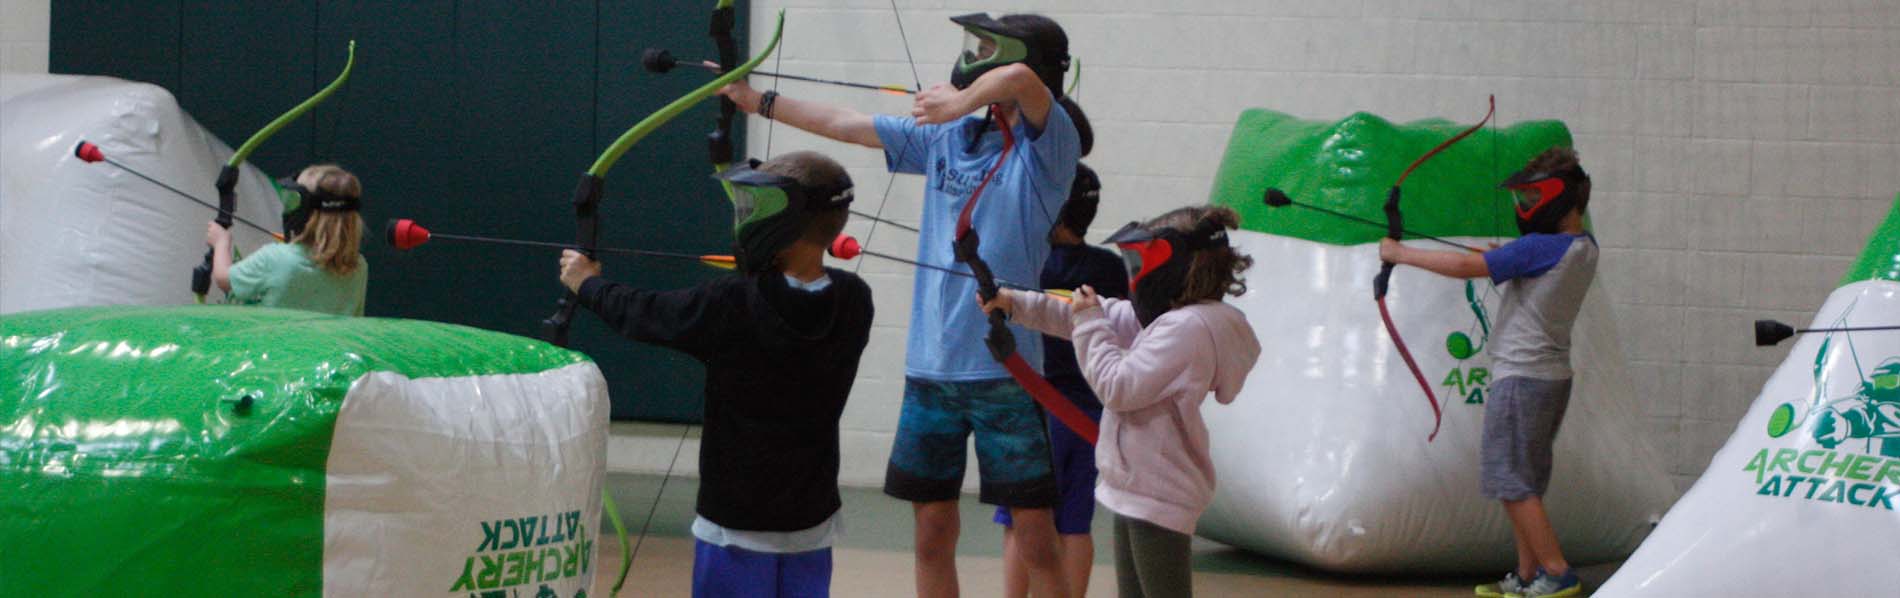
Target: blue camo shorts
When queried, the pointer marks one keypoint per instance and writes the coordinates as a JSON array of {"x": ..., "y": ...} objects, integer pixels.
[{"x": 1012, "y": 447}]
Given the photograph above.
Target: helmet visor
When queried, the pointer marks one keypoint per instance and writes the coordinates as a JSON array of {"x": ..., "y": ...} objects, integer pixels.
[{"x": 752, "y": 204}]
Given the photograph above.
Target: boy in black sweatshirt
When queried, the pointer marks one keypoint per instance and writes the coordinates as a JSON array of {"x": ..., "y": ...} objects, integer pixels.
[{"x": 780, "y": 339}]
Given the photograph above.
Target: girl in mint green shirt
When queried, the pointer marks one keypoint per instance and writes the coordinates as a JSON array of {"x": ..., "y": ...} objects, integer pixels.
[{"x": 321, "y": 268}]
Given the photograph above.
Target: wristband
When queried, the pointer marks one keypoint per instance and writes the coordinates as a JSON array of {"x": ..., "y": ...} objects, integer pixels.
[{"x": 765, "y": 103}]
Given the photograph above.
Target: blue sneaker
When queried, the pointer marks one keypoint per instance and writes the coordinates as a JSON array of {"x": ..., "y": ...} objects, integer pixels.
[{"x": 1548, "y": 586}]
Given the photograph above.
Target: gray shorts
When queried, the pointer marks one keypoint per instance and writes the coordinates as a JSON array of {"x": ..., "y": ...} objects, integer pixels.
[{"x": 1521, "y": 417}]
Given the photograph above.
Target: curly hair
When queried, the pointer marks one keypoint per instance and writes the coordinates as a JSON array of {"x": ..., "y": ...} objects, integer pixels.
[{"x": 1215, "y": 271}]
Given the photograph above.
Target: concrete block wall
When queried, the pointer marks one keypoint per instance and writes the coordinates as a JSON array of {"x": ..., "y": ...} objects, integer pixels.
[
  {"x": 25, "y": 27},
  {"x": 1741, "y": 149}
]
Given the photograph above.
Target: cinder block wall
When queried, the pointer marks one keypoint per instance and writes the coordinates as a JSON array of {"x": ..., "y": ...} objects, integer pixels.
[
  {"x": 25, "y": 27},
  {"x": 1741, "y": 149}
]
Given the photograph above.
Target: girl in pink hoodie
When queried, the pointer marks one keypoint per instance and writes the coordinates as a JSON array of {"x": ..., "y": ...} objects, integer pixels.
[{"x": 1153, "y": 361}]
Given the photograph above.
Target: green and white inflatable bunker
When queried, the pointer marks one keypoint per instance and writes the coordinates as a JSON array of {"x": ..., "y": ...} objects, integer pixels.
[
  {"x": 1802, "y": 500},
  {"x": 221, "y": 451},
  {"x": 1323, "y": 459}
]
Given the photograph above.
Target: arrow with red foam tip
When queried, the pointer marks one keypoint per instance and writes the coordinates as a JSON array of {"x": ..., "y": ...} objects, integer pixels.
[
  {"x": 405, "y": 234},
  {"x": 90, "y": 153}
]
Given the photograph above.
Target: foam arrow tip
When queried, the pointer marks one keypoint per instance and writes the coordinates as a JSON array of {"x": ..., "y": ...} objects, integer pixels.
[
  {"x": 88, "y": 152},
  {"x": 845, "y": 247},
  {"x": 404, "y": 234},
  {"x": 1277, "y": 198},
  {"x": 1769, "y": 333}
]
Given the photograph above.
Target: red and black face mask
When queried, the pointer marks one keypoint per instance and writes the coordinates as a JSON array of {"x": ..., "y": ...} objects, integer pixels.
[
  {"x": 1545, "y": 198},
  {"x": 1158, "y": 261}
]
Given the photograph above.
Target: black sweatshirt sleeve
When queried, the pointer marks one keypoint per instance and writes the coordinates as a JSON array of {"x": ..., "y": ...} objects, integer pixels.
[{"x": 687, "y": 320}]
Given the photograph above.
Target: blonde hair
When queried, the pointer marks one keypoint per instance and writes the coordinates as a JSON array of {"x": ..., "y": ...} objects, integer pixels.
[{"x": 333, "y": 239}]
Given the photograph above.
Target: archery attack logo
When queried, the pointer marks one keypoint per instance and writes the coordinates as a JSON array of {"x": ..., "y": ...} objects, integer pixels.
[
  {"x": 520, "y": 551},
  {"x": 1854, "y": 422},
  {"x": 1471, "y": 381}
]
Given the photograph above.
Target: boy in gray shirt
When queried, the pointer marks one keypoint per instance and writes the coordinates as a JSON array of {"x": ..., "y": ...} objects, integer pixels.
[{"x": 1544, "y": 275}]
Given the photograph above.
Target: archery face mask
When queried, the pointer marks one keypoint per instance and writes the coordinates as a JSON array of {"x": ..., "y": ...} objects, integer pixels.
[
  {"x": 1543, "y": 199},
  {"x": 1158, "y": 262},
  {"x": 299, "y": 201},
  {"x": 989, "y": 43},
  {"x": 770, "y": 212}
]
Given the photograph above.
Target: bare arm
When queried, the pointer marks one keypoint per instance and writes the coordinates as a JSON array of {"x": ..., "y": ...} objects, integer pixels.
[
  {"x": 1013, "y": 84},
  {"x": 1455, "y": 264},
  {"x": 832, "y": 122},
  {"x": 219, "y": 238}
]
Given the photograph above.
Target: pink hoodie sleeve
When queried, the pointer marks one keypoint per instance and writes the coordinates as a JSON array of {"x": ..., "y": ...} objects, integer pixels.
[
  {"x": 1040, "y": 312},
  {"x": 1126, "y": 377}
]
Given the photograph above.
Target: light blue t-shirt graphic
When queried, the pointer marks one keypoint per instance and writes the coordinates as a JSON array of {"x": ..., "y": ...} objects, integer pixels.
[{"x": 1013, "y": 217}]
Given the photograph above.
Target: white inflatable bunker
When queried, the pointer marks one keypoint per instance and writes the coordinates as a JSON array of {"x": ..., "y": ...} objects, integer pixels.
[
  {"x": 1324, "y": 458},
  {"x": 1802, "y": 500},
  {"x": 73, "y": 233}
]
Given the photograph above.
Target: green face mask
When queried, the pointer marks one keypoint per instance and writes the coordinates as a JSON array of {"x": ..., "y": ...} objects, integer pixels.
[
  {"x": 751, "y": 205},
  {"x": 770, "y": 212}
]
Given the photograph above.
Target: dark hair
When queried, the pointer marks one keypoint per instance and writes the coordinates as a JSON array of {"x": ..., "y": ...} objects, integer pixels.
[
  {"x": 1562, "y": 162},
  {"x": 812, "y": 169},
  {"x": 1084, "y": 132},
  {"x": 1215, "y": 271},
  {"x": 1046, "y": 35},
  {"x": 1085, "y": 199}
]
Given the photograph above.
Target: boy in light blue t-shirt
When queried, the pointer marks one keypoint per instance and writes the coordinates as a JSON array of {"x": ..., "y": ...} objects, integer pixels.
[{"x": 1013, "y": 66}]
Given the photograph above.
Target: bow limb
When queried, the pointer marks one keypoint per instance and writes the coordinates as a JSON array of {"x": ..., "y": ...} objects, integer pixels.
[
  {"x": 228, "y": 175},
  {"x": 588, "y": 192},
  {"x": 1000, "y": 340},
  {"x": 1395, "y": 230},
  {"x": 719, "y": 142}
]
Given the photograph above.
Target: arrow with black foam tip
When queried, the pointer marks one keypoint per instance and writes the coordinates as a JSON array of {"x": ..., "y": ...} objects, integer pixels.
[
  {"x": 1769, "y": 333},
  {"x": 657, "y": 60},
  {"x": 1276, "y": 198}
]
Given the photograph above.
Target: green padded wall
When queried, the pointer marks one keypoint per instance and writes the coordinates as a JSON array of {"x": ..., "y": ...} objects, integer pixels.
[{"x": 471, "y": 117}]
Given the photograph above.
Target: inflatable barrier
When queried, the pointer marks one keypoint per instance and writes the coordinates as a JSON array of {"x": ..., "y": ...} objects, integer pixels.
[
  {"x": 223, "y": 451},
  {"x": 75, "y": 234},
  {"x": 1324, "y": 458},
  {"x": 1801, "y": 500}
]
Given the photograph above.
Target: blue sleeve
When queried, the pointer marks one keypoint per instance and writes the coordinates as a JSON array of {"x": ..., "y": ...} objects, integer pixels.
[
  {"x": 906, "y": 143},
  {"x": 1053, "y": 151},
  {"x": 1529, "y": 256}
]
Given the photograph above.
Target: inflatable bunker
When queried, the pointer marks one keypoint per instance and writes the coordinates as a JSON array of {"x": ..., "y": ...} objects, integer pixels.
[
  {"x": 1324, "y": 458},
  {"x": 1801, "y": 501},
  {"x": 73, "y": 233},
  {"x": 223, "y": 451}
]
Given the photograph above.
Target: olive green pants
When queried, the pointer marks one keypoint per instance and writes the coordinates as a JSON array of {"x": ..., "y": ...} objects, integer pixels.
[{"x": 1152, "y": 561}]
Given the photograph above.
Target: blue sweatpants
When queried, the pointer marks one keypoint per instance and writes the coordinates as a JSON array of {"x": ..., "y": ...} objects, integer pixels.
[{"x": 729, "y": 572}]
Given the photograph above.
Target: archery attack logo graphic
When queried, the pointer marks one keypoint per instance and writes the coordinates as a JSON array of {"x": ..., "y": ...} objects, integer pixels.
[
  {"x": 1854, "y": 422},
  {"x": 1471, "y": 381},
  {"x": 517, "y": 552}
]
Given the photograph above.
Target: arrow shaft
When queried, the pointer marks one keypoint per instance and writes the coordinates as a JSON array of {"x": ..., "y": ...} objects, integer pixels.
[
  {"x": 1850, "y": 329},
  {"x": 1000, "y": 282},
  {"x": 551, "y": 245},
  {"x": 176, "y": 191},
  {"x": 893, "y": 89},
  {"x": 1381, "y": 225}
]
